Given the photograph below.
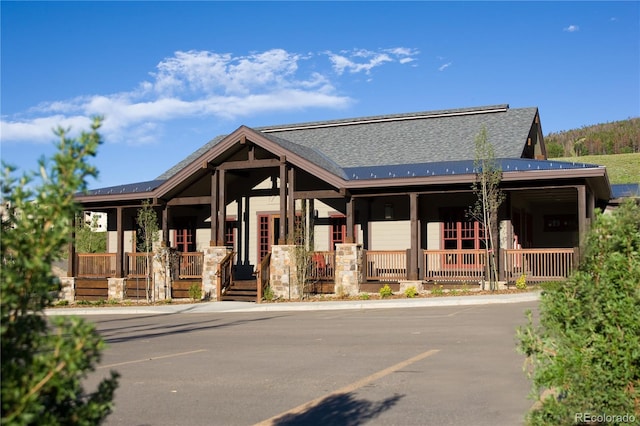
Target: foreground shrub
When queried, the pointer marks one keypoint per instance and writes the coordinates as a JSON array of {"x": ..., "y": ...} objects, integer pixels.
[
  {"x": 44, "y": 361},
  {"x": 586, "y": 350}
]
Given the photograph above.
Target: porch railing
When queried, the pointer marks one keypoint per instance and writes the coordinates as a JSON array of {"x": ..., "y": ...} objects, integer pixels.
[
  {"x": 538, "y": 264},
  {"x": 322, "y": 266},
  {"x": 262, "y": 276},
  {"x": 225, "y": 270},
  {"x": 137, "y": 265},
  {"x": 96, "y": 265},
  {"x": 190, "y": 265},
  {"x": 453, "y": 265},
  {"x": 386, "y": 265}
]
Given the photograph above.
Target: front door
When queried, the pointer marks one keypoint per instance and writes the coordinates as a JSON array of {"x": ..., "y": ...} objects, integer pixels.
[{"x": 268, "y": 233}]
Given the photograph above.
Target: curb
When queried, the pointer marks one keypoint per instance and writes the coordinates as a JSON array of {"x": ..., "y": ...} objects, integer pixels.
[{"x": 210, "y": 307}]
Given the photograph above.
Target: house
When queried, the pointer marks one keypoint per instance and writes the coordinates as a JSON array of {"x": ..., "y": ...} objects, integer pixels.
[{"x": 382, "y": 199}]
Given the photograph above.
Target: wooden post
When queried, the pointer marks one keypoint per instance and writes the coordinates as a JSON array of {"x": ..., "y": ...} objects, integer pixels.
[
  {"x": 283, "y": 200},
  {"x": 214, "y": 207},
  {"x": 71, "y": 262},
  {"x": 413, "y": 258},
  {"x": 291, "y": 207},
  {"x": 222, "y": 207},
  {"x": 350, "y": 220},
  {"x": 119, "y": 243}
]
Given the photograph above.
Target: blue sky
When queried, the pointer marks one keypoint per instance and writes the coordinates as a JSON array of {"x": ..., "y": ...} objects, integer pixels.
[{"x": 170, "y": 76}]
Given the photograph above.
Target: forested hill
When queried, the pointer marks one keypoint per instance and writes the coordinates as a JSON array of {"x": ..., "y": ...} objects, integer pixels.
[{"x": 618, "y": 137}]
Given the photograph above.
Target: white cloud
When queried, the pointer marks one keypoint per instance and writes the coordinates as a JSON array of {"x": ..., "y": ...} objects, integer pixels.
[
  {"x": 444, "y": 66},
  {"x": 360, "y": 60},
  {"x": 204, "y": 84},
  {"x": 571, "y": 29}
]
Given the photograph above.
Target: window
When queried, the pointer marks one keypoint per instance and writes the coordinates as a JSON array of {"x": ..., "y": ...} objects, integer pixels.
[
  {"x": 338, "y": 230},
  {"x": 264, "y": 236},
  {"x": 184, "y": 239}
]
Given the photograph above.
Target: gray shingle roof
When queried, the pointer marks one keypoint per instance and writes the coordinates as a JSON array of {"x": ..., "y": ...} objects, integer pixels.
[{"x": 422, "y": 137}]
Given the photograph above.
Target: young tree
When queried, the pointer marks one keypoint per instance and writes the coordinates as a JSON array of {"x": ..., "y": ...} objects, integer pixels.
[
  {"x": 43, "y": 363},
  {"x": 148, "y": 233},
  {"x": 586, "y": 351},
  {"x": 489, "y": 197},
  {"x": 303, "y": 251},
  {"x": 87, "y": 239}
]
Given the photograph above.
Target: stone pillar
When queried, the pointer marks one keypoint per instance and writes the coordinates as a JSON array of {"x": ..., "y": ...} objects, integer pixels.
[
  {"x": 348, "y": 271},
  {"x": 213, "y": 255},
  {"x": 282, "y": 272},
  {"x": 67, "y": 289},
  {"x": 116, "y": 288},
  {"x": 162, "y": 268}
]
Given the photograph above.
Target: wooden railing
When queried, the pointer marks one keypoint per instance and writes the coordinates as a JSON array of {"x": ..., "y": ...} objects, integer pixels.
[
  {"x": 453, "y": 265},
  {"x": 538, "y": 264},
  {"x": 96, "y": 265},
  {"x": 262, "y": 276},
  {"x": 137, "y": 265},
  {"x": 190, "y": 265},
  {"x": 225, "y": 271},
  {"x": 386, "y": 265},
  {"x": 322, "y": 266}
]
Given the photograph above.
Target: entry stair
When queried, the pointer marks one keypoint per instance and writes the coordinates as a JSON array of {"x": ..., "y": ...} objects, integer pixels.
[{"x": 242, "y": 291}]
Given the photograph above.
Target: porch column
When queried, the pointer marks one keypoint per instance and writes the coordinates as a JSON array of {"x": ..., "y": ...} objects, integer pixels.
[
  {"x": 165, "y": 226},
  {"x": 582, "y": 213},
  {"x": 245, "y": 222},
  {"x": 222, "y": 207},
  {"x": 119, "y": 243},
  {"x": 283, "y": 201},
  {"x": 291, "y": 206},
  {"x": 239, "y": 240},
  {"x": 311, "y": 222},
  {"x": 415, "y": 235},
  {"x": 365, "y": 214},
  {"x": 214, "y": 207},
  {"x": 350, "y": 220},
  {"x": 71, "y": 262}
]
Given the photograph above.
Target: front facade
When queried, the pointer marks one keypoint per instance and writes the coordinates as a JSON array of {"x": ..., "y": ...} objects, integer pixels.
[{"x": 397, "y": 185}]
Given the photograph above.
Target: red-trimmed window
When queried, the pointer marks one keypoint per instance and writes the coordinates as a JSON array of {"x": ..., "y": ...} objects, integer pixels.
[
  {"x": 264, "y": 236},
  {"x": 338, "y": 230},
  {"x": 230, "y": 233},
  {"x": 185, "y": 239}
]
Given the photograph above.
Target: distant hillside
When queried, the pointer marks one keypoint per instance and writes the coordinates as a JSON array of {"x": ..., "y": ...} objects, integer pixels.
[
  {"x": 618, "y": 137},
  {"x": 621, "y": 168}
]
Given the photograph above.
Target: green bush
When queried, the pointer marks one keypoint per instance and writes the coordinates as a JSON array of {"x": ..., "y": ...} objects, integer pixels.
[
  {"x": 437, "y": 290},
  {"x": 364, "y": 296},
  {"x": 521, "y": 282},
  {"x": 195, "y": 291},
  {"x": 586, "y": 349},
  {"x": 411, "y": 292},
  {"x": 385, "y": 291},
  {"x": 45, "y": 360},
  {"x": 268, "y": 293}
]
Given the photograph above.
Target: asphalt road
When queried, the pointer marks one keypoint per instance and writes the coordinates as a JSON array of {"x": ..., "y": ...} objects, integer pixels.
[{"x": 452, "y": 365}]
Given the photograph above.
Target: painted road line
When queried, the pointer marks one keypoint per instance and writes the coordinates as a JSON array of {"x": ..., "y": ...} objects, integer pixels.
[{"x": 137, "y": 361}]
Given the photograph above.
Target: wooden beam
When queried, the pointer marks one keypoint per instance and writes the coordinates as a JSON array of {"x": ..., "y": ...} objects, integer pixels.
[
  {"x": 189, "y": 201},
  {"x": 319, "y": 194},
  {"x": 249, "y": 164}
]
